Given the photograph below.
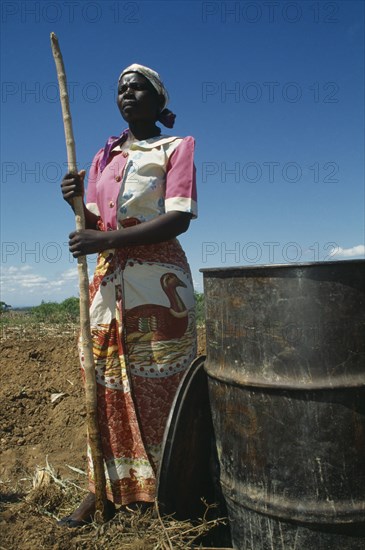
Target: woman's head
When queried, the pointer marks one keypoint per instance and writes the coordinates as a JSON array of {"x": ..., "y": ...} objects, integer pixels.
[{"x": 143, "y": 96}]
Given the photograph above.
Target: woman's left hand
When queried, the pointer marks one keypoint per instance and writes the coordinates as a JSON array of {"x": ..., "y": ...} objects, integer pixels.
[{"x": 87, "y": 241}]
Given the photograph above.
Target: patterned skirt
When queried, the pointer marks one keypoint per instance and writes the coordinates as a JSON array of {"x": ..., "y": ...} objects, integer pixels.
[{"x": 142, "y": 317}]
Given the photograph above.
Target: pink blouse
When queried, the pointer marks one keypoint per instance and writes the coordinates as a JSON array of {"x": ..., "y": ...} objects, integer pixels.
[{"x": 147, "y": 179}]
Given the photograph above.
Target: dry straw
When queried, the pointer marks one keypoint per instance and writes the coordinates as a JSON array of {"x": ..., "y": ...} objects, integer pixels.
[{"x": 130, "y": 529}]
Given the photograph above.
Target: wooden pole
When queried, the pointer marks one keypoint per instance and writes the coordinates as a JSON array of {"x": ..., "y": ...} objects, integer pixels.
[{"x": 90, "y": 380}]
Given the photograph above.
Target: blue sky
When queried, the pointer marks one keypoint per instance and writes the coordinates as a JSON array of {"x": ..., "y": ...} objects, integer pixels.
[{"x": 271, "y": 91}]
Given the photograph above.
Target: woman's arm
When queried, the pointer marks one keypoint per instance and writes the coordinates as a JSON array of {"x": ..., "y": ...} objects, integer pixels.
[{"x": 160, "y": 229}]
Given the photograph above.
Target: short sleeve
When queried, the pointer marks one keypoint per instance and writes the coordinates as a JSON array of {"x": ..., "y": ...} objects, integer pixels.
[
  {"x": 181, "y": 192},
  {"x": 94, "y": 175}
]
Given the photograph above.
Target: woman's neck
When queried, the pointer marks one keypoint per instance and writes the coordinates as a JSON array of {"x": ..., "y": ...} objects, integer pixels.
[{"x": 144, "y": 130}]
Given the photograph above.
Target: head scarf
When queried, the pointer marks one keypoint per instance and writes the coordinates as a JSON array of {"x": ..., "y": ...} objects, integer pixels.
[{"x": 166, "y": 117}]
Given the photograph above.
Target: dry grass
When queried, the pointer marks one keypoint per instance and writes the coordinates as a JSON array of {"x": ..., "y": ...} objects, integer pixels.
[
  {"x": 36, "y": 330},
  {"x": 135, "y": 530}
]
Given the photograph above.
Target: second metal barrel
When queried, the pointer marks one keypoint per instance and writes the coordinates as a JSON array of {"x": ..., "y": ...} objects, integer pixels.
[{"x": 285, "y": 360}]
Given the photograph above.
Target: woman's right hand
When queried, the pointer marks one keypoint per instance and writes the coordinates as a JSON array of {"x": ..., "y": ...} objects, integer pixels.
[{"x": 72, "y": 186}]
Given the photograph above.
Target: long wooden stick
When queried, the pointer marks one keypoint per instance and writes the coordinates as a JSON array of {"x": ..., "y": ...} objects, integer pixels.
[{"x": 90, "y": 380}]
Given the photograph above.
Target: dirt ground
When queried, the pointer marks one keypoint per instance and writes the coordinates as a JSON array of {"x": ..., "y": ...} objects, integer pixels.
[{"x": 42, "y": 419}]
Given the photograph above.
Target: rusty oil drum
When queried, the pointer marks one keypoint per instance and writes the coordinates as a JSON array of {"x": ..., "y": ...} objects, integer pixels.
[{"x": 286, "y": 371}]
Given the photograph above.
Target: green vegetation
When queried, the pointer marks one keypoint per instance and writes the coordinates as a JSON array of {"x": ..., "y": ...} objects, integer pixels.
[
  {"x": 53, "y": 312},
  {"x": 4, "y": 307},
  {"x": 47, "y": 318},
  {"x": 64, "y": 313},
  {"x": 199, "y": 305}
]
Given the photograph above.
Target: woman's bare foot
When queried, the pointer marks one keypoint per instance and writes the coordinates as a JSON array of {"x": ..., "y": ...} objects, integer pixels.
[{"x": 85, "y": 513}]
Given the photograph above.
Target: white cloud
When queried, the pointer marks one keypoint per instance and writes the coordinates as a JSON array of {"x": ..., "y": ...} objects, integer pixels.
[
  {"x": 352, "y": 252},
  {"x": 14, "y": 270},
  {"x": 70, "y": 274},
  {"x": 18, "y": 283}
]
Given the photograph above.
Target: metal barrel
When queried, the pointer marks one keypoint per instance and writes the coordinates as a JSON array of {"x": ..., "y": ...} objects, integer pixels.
[{"x": 286, "y": 371}]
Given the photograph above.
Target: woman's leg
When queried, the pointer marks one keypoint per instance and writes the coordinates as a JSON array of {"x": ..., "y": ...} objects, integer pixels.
[{"x": 85, "y": 513}]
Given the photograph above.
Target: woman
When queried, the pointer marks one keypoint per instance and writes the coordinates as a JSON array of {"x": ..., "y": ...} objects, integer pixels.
[{"x": 141, "y": 195}]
